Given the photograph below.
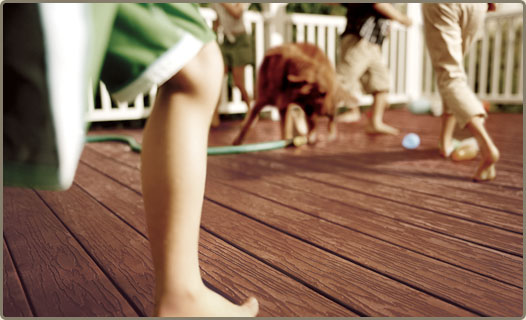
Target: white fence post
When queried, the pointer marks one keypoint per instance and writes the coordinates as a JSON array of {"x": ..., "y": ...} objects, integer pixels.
[
  {"x": 275, "y": 19},
  {"x": 414, "y": 53}
]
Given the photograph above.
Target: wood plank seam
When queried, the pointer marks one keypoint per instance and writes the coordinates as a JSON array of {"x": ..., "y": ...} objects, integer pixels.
[
  {"x": 373, "y": 236},
  {"x": 103, "y": 173},
  {"x": 288, "y": 274},
  {"x": 367, "y": 168},
  {"x": 437, "y": 257},
  {"x": 437, "y": 212},
  {"x": 202, "y": 229},
  {"x": 97, "y": 263},
  {"x": 383, "y": 240},
  {"x": 472, "y": 270},
  {"x": 421, "y": 208},
  {"x": 456, "y": 264},
  {"x": 110, "y": 210},
  {"x": 20, "y": 279},
  {"x": 351, "y": 260},
  {"x": 479, "y": 277},
  {"x": 402, "y": 203},
  {"x": 221, "y": 292},
  {"x": 364, "y": 168}
]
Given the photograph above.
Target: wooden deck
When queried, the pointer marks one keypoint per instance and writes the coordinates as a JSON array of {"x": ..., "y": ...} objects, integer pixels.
[{"x": 357, "y": 227}]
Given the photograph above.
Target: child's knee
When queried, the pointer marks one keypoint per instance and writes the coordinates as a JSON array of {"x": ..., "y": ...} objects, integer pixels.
[{"x": 202, "y": 76}]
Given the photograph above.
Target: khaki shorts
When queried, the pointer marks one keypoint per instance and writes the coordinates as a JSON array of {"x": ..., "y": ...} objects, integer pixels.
[
  {"x": 450, "y": 29},
  {"x": 239, "y": 53},
  {"x": 361, "y": 66}
]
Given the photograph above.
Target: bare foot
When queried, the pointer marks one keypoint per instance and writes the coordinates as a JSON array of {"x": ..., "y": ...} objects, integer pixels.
[
  {"x": 300, "y": 126},
  {"x": 352, "y": 115},
  {"x": 489, "y": 152},
  {"x": 486, "y": 170},
  {"x": 312, "y": 137},
  {"x": 445, "y": 149},
  {"x": 206, "y": 303},
  {"x": 381, "y": 128}
]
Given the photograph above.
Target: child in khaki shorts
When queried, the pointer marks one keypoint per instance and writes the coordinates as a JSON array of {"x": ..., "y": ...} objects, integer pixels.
[
  {"x": 168, "y": 45},
  {"x": 361, "y": 62},
  {"x": 450, "y": 29}
]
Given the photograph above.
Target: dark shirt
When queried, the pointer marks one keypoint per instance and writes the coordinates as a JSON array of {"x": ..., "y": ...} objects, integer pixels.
[{"x": 364, "y": 21}]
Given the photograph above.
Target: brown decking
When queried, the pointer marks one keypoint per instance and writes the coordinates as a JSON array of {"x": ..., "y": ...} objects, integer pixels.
[{"x": 359, "y": 226}]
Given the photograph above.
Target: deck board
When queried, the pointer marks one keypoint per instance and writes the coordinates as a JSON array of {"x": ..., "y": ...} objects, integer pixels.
[
  {"x": 393, "y": 224},
  {"x": 408, "y": 206},
  {"x": 404, "y": 265},
  {"x": 355, "y": 227},
  {"x": 129, "y": 204},
  {"x": 355, "y": 286},
  {"x": 125, "y": 258},
  {"x": 59, "y": 276},
  {"x": 15, "y": 300}
]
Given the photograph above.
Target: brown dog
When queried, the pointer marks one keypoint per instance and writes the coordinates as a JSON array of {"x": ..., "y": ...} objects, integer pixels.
[{"x": 298, "y": 74}]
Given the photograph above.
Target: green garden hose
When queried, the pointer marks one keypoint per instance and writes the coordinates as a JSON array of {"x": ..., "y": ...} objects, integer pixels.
[{"x": 213, "y": 151}]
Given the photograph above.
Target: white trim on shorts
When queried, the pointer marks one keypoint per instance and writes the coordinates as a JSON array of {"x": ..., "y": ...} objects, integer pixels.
[{"x": 162, "y": 69}]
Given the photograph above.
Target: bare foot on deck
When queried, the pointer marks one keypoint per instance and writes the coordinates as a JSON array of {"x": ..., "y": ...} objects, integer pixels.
[
  {"x": 488, "y": 151},
  {"x": 352, "y": 115},
  {"x": 486, "y": 170},
  {"x": 445, "y": 149},
  {"x": 381, "y": 128},
  {"x": 206, "y": 303}
]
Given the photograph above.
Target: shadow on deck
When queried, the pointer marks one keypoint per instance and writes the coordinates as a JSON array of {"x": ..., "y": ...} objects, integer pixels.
[{"x": 356, "y": 227}]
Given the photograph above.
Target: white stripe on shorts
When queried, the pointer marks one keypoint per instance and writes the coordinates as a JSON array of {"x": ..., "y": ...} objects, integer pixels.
[{"x": 162, "y": 69}]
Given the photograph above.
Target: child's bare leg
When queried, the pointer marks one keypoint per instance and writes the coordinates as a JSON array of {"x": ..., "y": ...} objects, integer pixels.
[
  {"x": 376, "y": 124},
  {"x": 489, "y": 152},
  {"x": 216, "y": 120},
  {"x": 238, "y": 75},
  {"x": 173, "y": 178},
  {"x": 445, "y": 142}
]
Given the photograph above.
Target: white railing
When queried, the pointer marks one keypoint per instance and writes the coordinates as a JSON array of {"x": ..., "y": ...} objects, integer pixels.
[{"x": 494, "y": 65}]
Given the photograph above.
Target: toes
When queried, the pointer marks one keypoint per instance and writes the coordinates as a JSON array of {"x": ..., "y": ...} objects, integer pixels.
[
  {"x": 486, "y": 174},
  {"x": 251, "y": 306},
  {"x": 381, "y": 129}
]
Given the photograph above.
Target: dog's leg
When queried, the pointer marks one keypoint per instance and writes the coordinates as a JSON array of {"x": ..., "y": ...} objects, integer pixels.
[
  {"x": 252, "y": 115},
  {"x": 293, "y": 122},
  {"x": 312, "y": 137},
  {"x": 333, "y": 129},
  {"x": 286, "y": 122}
]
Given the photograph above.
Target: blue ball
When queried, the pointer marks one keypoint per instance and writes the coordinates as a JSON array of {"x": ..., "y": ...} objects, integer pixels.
[{"x": 411, "y": 141}]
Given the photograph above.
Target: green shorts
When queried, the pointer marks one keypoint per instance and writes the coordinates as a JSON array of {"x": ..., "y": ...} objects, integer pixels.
[
  {"x": 52, "y": 51},
  {"x": 150, "y": 43},
  {"x": 239, "y": 53}
]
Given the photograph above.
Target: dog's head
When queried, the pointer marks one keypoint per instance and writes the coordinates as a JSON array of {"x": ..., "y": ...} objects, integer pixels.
[{"x": 307, "y": 82}]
